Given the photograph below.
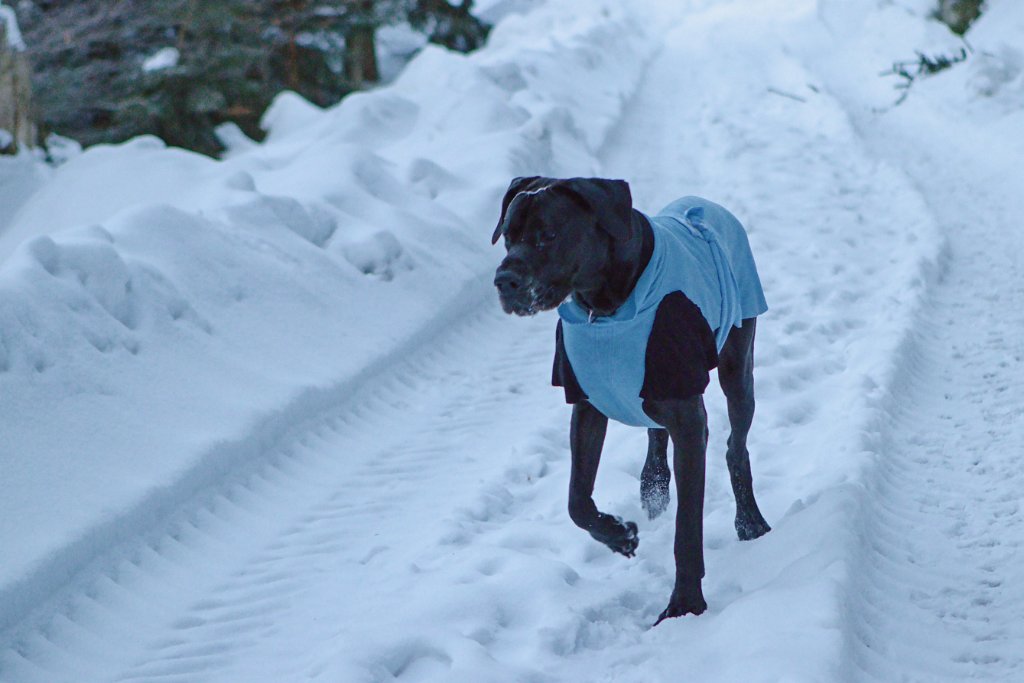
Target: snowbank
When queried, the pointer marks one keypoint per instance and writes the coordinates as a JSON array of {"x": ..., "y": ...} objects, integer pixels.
[
  {"x": 164, "y": 316},
  {"x": 21, "y": 176}
]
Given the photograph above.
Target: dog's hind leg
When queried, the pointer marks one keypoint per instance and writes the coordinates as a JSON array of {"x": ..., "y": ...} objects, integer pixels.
[
  {"x": 736, "y": 375},
  {"x": 655, "y": 477}
]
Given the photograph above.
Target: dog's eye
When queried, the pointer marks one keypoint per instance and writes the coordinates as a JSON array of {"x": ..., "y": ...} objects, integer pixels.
[{"x": 546, "y": 237}]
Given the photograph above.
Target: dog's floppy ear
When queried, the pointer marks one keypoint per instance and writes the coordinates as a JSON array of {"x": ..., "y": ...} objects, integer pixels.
[
  {"x": 610, "y": 200},
  {"x": 515, "y": 187}
]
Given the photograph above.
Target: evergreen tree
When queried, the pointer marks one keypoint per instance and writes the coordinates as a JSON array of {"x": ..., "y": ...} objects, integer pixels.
[
  {"x": 222, "y": 74},
  {"x": 234, "y": 56},
  {"x": 450, "y": 25},
  {"x": 959, "y": 14}
]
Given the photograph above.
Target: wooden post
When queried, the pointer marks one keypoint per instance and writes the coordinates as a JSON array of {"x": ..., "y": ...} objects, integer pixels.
[
  {"x": 360, "y": 46},
  {"x": 16, "y": 114}
]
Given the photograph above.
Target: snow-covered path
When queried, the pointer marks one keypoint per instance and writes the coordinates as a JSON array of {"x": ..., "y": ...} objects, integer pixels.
[
  {"x": 940, "y": 596},
  {"x": 417, "y": 530},
  {"x": 303, "y": 565}
]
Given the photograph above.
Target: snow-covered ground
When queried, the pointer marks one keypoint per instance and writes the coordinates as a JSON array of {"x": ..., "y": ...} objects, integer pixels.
[{"x": 263, "y": 420}]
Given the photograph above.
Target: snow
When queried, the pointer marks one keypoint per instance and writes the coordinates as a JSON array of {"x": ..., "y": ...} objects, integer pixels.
[
  {"x": 11, "y": 29},
  {"x": 227, "y": 297},
  {"x": 164, "y": 58},
  {"x": 60, "y": 149},
  {"x": 20, "y": 176},
  {"x": 233, "y": 138},
  {"x": 264, "y": 421},
  {"x": 396, "y": 44},
  {"x": 493, "y": 11}
]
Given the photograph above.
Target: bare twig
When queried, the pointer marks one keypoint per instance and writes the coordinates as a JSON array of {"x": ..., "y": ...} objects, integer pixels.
[
  {"x": 912, "y": 69},
  {"x": 791, "y": 96}
]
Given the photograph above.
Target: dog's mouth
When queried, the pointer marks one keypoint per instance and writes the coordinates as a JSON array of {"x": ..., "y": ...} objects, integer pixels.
[{"x": 533, "y": 299}]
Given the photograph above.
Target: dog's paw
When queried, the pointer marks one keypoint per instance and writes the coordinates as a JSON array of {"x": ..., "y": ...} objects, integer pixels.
[
  {"x": 680, "y": 605},
  {"x": 750, "y": 527},
  {"x": 654, "y": 496},
  {"x": 626, "y": 540}
]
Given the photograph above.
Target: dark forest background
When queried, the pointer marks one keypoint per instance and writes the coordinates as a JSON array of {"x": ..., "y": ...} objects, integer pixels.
[{"x": 234, "y": 56}]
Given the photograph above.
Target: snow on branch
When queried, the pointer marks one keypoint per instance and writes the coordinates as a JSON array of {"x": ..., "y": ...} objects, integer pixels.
[
  {"x": 164, "y": 58},
  {"x": 10, "y": 23},
  {"x": 925, "y": 65}
]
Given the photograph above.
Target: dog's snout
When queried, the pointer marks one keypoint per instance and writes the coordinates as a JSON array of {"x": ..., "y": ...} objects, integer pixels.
[{"x": 508, "y": 281}]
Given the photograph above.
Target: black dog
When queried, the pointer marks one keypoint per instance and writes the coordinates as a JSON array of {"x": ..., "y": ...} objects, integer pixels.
[{"x": 580, "y": 239}]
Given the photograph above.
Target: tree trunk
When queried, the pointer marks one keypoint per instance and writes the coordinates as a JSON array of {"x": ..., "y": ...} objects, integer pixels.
[
  {"x": 361, "y": 56},
  {"x": 16, "y": 115}
]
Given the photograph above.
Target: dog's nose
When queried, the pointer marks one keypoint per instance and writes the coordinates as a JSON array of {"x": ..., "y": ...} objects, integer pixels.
[{"x": 507, "y": 282}]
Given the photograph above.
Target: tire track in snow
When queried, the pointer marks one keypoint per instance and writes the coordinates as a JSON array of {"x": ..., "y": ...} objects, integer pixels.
[
  {"x": 938, "y": 596},
  {"x": 302, "y": 548}
]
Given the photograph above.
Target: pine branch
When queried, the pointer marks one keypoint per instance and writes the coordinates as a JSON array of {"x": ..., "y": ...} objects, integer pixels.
[{"x": 923, "y": 66}]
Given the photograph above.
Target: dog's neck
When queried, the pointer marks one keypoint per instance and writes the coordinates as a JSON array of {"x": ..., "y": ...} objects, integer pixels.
[{"x": 626, "y": 263}]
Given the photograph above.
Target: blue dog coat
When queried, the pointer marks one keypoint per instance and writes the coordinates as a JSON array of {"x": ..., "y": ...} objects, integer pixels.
[{"x": 701, "y": 252}]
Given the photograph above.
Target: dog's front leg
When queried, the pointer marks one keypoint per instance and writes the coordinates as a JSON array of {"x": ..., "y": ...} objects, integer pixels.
[
  {"x": 586, "y": 438},
  {"x": 687, "y": 424}
]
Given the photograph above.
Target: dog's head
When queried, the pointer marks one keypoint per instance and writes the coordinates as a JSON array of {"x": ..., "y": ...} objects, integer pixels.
[{"x": 559, "y": 235}]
